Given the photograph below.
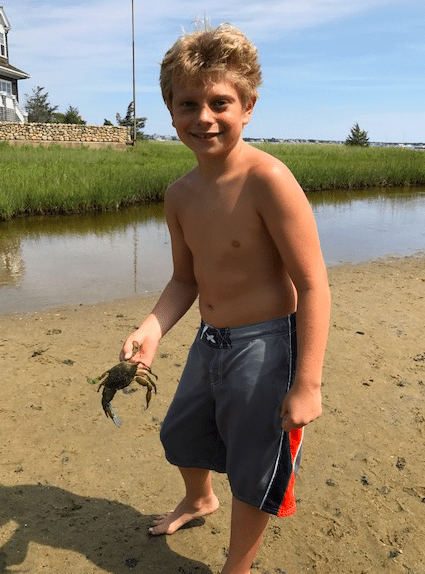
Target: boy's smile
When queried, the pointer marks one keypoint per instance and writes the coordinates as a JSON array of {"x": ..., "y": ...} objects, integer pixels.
[{"x": 209, "y": 117}]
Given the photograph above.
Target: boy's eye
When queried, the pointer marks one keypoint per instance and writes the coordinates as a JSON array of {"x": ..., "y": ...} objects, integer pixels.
[
  {"x": 220, "y": 103},
  {"x": 188, "y": 104}
]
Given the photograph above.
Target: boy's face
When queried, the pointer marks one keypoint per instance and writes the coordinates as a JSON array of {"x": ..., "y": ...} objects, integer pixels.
[{"x": 209, "y": 118}]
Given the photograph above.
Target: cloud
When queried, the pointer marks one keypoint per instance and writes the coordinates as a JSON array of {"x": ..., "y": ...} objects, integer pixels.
[
  {"x": 98, "y": 33},
  {"x": 80, "y": 50},
  {"x": 97, "y": 17}
]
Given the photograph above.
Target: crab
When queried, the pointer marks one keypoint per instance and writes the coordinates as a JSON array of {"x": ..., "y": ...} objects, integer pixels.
[{"x": 121, "y": 376}]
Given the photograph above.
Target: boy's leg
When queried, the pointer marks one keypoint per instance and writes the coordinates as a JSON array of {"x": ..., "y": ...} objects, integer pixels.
[
  {"x": 247, "y": 528},
  {"x": 199, "y": 500}
]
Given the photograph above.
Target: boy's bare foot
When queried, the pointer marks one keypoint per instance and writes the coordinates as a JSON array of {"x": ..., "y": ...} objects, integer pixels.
[{"x": 185, "y": 512}]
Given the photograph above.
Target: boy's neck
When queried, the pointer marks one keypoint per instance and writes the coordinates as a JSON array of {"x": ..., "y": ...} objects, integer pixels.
[{"x": 213, "y": 168}]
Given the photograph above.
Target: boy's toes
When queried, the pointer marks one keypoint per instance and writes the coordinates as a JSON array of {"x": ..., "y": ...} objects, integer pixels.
[
  {"x": 159, "y": 525},
  {"x": 159, "y": 519},
  {"x": 159, "y": 528}
]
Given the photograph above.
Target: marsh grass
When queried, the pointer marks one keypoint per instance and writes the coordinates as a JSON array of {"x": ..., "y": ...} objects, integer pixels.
[
  {"x": 59, "y": 180},
  {"x": 329, "y": 167}
]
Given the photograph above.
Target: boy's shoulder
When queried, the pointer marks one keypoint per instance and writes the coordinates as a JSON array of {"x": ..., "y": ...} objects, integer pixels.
[
  {"x": 176, "y": 194},
  {"x": 263, "y": 164},
  {"x": 268, "y": 171},
  {"x": 181, "y": 183},
  {"x": 278, "y": 194}
]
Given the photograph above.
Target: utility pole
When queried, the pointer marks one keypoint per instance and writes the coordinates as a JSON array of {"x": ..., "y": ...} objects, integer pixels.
[{"x": 134, "y": 74}]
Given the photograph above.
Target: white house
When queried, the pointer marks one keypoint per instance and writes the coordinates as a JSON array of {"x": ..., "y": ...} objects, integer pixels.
[{"x": 10, "y": 111}]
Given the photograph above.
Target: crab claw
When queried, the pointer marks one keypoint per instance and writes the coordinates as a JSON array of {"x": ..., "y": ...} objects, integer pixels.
[
  {"x": 148, "y": 397},
  {"x": 93, "y": 381},
  {"x": 109, "y": 412}
]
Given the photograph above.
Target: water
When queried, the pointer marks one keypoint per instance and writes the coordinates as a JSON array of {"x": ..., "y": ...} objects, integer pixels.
[
  {"x": 362, "y": 226},
  {"x": 49, "y": 261}
]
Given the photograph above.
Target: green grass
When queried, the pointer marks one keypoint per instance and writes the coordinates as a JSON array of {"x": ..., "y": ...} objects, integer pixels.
[
  {"x": 60, "y": 180},
  {"x": 329, "y": 167}
]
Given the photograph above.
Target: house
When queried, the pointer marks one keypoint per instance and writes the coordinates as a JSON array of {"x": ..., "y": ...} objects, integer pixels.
[{"x": 10, "y": 111}]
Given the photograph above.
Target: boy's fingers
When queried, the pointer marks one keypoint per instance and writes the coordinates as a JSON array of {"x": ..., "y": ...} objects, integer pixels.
[{"x": 126, "y": 351}]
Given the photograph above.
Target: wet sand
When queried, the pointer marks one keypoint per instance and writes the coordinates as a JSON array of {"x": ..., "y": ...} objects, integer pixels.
[{"x": 78, "y": 493}]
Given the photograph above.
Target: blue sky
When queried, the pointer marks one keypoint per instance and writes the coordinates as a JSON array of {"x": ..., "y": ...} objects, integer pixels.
[{"x": 327, "y": 64}]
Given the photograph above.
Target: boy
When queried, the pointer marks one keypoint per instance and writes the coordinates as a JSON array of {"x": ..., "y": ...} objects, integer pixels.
[{"x": 244, "y": 240}]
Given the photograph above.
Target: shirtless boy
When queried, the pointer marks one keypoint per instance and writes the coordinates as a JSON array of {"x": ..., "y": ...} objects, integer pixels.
[{"x": 244, "y": 240}]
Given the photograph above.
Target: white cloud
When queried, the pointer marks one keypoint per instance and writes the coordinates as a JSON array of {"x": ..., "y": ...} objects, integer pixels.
[
  {"x": 81, "y": 50},
  {"x": 99, "y": 33}
]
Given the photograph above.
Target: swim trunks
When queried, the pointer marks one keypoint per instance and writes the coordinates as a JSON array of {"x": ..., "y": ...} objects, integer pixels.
[{"x": 225, "y": 415}]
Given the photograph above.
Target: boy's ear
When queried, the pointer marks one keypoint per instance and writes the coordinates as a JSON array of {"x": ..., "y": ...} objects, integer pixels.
[{"x": 248, "y": 111}]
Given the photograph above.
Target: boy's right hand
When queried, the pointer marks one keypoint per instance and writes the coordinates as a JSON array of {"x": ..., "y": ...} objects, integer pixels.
[{"x": 146, "y": 351}]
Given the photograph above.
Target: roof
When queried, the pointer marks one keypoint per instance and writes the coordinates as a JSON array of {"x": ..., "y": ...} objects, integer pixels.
[
  {"x": 3, "y": 20},
  {"x": 11, "y": 72},
  {"x": 7, "y": 69}
]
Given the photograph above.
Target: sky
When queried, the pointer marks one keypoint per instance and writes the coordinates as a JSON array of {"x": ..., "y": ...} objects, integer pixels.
[{"x": 327, "y": 64}]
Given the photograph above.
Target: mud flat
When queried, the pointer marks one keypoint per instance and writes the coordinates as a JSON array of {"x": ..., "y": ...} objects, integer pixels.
[{"x": 77, "y": 493}]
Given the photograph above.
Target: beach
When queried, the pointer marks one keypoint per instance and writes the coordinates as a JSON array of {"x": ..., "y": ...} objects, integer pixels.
[{"x": 77, "y": 493}]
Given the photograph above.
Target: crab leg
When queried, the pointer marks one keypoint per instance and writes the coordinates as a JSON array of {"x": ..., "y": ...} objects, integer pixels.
[
  {"x": 109, "y": 412},
  {"x": 149, "y": 384}
]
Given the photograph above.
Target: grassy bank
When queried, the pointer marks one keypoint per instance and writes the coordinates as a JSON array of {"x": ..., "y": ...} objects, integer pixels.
[
  {"x": 58, "y": 180},
  {"x": 329, "y": 167}
]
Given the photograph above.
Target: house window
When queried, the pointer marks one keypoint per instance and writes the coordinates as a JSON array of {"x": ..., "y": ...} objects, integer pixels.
[
  {"x": 5, "y": 87},
  {"x": 2, "y": 45}
]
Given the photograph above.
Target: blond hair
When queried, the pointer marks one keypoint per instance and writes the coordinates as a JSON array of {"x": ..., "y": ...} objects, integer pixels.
[{"x": 210, "y": 54}]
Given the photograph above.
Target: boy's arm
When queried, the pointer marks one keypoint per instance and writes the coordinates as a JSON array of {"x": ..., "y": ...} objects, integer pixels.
[
  {"x": 290, "y": 222},
  {"x": 177, "y": 297}
]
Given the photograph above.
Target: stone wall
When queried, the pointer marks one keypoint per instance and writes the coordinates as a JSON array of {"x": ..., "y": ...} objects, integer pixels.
[{"x": 69, "y": 135}]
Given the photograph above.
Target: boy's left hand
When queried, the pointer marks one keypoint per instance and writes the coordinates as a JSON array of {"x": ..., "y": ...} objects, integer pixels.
[{"x": 301, "y": 406}]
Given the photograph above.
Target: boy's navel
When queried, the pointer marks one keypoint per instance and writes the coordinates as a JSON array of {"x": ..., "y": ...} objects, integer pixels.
[{"x": 236, "y": 243}]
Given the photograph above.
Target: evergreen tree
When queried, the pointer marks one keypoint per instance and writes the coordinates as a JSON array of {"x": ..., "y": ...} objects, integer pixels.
[
  {"x": 128, "y": 120},
  {"x": 72, "y": 116},
  {"x": 357, "y": 137},
  {"x": 38, "y": 107}
]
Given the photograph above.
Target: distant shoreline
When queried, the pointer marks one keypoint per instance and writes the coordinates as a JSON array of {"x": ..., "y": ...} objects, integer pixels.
[
  {"x": 418, "y": 145},
  {"x": 409, "y": 145}
]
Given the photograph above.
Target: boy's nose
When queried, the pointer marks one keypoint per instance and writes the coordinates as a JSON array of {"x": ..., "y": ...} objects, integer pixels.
[{"x": 205, "y": 115}]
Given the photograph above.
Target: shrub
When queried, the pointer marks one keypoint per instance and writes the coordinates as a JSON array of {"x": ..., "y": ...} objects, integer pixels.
[{"x": 357, "y": 137}]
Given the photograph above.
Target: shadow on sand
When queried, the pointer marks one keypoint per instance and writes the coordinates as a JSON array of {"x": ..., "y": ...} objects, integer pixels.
[{"x": 112, "y": 535}]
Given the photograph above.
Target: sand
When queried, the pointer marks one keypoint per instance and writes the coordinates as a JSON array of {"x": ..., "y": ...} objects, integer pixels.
[{"x": 78, "y": 493}]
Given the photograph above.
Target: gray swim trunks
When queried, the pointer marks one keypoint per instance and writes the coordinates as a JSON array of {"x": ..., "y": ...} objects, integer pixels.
[{"x": 225, "y": 415}]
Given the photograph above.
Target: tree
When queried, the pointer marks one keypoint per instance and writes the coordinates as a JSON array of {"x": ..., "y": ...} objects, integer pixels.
[
  {"x": 128, "y": 120},
  {"x": 71, "y": 116},
  {"x": 38, "y": 107},
  {"x": 357, "y": 137}
]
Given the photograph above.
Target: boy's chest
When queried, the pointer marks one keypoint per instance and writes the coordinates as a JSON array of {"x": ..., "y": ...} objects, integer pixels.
[{"x": 222, "y": 224}]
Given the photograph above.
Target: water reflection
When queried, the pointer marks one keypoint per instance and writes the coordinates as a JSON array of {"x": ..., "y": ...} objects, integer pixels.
[
  {"x": 83, "y": 258},
  {"x": 12, "y": 265},
  {"x": 56, "y": 260},
  {"x": 359, "y": 226}
]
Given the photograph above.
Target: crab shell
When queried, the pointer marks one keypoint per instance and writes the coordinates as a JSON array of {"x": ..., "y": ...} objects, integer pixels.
[{"x": 120, "y": 376}]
